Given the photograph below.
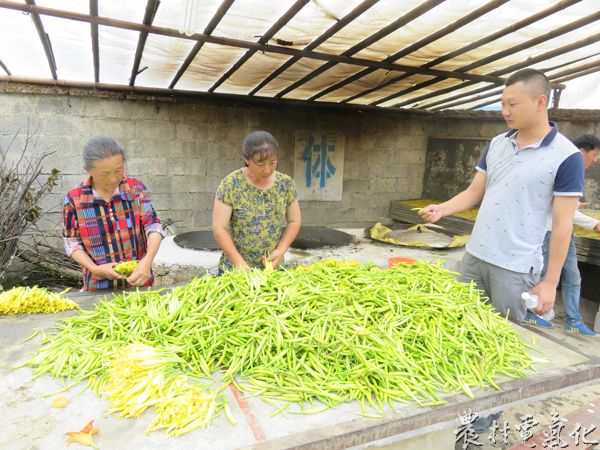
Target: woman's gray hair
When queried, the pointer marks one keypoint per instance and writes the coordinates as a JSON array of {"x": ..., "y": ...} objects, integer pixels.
[
  {"x": 259, "y": 142},
  {"x": 100, "y": 147}
]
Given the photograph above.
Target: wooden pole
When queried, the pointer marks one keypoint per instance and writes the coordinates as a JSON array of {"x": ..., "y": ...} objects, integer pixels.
[
  {"x": 44, "y": 38},
  {"x": 337, "y": 26},
  {"x": 245, "y": 44},
  {"x": 151, "y": 8},
  {"x": 95, "y": 46},
  {"x": 283, "y": 20},
  {"x": 198, "y": 45},
  {"x": 385, "y": 31}
]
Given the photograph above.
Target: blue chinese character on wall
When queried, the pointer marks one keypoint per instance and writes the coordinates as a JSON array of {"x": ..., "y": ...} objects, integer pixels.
[{"x": 318, "y": 162}]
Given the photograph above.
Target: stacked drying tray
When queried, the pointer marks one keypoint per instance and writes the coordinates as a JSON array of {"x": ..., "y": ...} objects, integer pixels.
[
  {"x": 587, "y": 241},
  {"x": 458, "y": 224}
]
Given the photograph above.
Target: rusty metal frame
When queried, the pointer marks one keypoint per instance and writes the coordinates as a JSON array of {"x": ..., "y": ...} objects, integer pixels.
[
  {"x": 95, "y": 42},
  {"x": 44, "y": 38},
  {"x": 543, "y": 57},
  {"x": 151, "y": 8},
  {"x": 478, "y": 43},
  {"x": 490, "y": 6},
  {"x": 363, "y": 62},
  {"x": 501, "y": 54},
  {"x": 559, "y": 77},
  {"x": 352, "y": 15}
]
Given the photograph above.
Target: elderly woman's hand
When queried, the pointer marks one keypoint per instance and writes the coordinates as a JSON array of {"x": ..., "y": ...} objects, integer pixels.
[
  {"x": 106, "y": 271},
  {"x": 141, "y": 274}
]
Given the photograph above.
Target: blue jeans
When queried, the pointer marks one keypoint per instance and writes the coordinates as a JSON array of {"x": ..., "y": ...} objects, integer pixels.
[{"x": 570, "y": 280}]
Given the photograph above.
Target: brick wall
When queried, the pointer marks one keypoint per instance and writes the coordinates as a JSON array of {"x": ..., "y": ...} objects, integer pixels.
[{"x": 461, "y": 137}]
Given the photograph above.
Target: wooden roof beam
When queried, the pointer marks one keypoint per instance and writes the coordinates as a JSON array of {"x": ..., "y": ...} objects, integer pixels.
[
  {"x": 455, "y": 25},
  {"x": 44, "y": 38},
  {"x": 5, "y": 68},
  {"x": 245, "y": 44},
  {"x": 198, "y": 45},
  {"x": 337, "y": 26},
  {"x": 478, "y": 43},
  {"x": 543, "y": 57},
  {"x": 398, "y": 23},
  {"x": 509, "y": 51},
  {"x": 579, "y": 74},
  {"x": 465, "y": 101},
  {"x": 151, "y": 8},
  {"x": 95, "y": 45},
  {"x": 559, "y": 77},
  {"x": 532, "y": 42},
  {"x": 275, "y": 28}
]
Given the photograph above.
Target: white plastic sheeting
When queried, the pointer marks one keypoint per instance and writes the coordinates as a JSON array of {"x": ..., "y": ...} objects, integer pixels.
[{"x": 22, "y": 53}]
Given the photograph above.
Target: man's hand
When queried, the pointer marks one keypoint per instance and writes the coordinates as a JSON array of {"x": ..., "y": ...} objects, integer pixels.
[
  {"x": 597, "y": 228},
  {"x": 431, "y": 213},
  {"x": 141, "y": 274},
  {"x": 106, "y": 271},
  {"x": 546, "y": 293}
]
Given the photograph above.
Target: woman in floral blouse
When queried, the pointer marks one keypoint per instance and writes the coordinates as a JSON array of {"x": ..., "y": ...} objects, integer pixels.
[{"x": 252, "y": 206}]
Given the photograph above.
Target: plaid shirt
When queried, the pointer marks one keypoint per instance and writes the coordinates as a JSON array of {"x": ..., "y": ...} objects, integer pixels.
[{"x": 112, "y": 231}]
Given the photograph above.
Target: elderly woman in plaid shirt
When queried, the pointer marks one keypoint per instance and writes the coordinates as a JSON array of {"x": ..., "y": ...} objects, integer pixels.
[{"x": 109, "y": 218}]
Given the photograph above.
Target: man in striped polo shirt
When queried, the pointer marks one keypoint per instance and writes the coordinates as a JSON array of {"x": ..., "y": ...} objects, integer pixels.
[{"x": 526, "y": 178}]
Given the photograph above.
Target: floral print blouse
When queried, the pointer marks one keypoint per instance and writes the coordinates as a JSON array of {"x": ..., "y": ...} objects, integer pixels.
[{"x": 258, "y": 216}]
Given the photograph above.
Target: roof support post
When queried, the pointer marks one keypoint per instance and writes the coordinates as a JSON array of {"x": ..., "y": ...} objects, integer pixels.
[
  {"x": 95, "y": 45},
  {"x": 4, "y": 68}
]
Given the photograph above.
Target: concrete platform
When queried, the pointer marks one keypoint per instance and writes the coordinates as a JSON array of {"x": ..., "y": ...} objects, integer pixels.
[{"x": 29, "y": 422}]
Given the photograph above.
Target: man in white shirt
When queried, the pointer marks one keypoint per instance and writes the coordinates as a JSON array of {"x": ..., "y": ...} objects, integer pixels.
[
  {"x": 589, "y": 146},
  {"x": 526, "y": 178}
]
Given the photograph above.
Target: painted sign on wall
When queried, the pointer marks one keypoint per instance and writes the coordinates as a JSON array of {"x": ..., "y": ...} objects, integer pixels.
[{"x": 319, "y": 165}]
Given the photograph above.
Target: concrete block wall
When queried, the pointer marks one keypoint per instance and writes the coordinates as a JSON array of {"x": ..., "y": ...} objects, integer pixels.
[
  {"x": 466, "y": 128},
  {"x": 182, "y": 149}
]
